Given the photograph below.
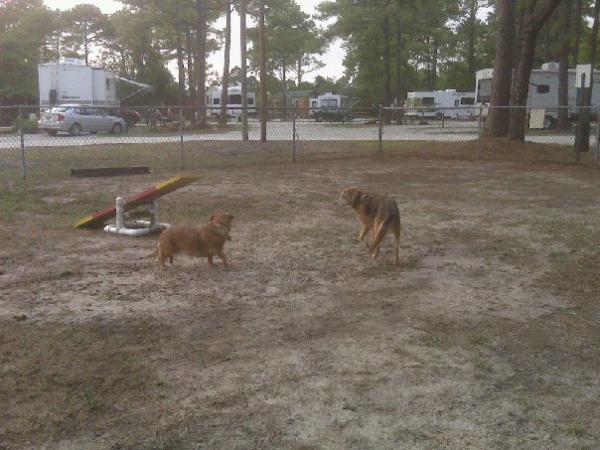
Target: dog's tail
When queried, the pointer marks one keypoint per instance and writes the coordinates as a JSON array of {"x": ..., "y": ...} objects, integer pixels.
[
  {"x": 380, "y": 234},
  {"x": 389, "y": 224}
]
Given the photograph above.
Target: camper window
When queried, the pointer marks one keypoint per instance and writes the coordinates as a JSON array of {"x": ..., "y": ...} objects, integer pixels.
[
  {"x": 329, "y": 103},
  {"x": 543, "y": 88},
  {"x": 235, "y": 99},
  {"x": 216, "y": 101},
  {"x": 428, "y": 101},
  {"x": 467, "y": 101},
  {"x": 250, "y": 101}
]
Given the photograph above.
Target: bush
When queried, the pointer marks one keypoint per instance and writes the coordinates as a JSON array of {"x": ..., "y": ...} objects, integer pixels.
[{"x": 29, "y": 126}]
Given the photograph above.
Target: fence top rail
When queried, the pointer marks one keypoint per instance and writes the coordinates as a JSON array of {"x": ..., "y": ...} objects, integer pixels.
[{"x": 301, "y": 108}]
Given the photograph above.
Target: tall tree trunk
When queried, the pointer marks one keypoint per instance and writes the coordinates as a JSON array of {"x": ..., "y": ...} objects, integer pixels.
[
  {"x": 86, "y": 45},
  {"x": 593, "y": 47},
  {"x": 243, "y": 69},
  {"x": 434, "y": 64},
  {"x": 582, "y": 140},
  {"x": 263, "y": 70},
  {"x": 398, "y": 86},
  {"x": 563, "y": 66},
  {"x": 471, "y": 39},
  {"x": 181, "y": 71},
  {"x": 498, "y": 115},
  {"x": 387, "y": 66},
  {"x": 428, "y": 56},
  {"x": 520, "y": 19},
  {"x": 538, "y": 14},
  {"x": 201, "y": 58},
  {"x": 227, "y": 51},
  {"x": 190, "y": 71},
  {"x": 577, "y": 32},
  {"x": 299, "y": 71},
  {"x": 284, "y": 88}
]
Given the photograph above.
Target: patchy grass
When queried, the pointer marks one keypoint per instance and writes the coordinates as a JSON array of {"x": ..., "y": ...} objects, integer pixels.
[
  {"x": 80, "y": 377},
  {"x": 484, "y": 337}
]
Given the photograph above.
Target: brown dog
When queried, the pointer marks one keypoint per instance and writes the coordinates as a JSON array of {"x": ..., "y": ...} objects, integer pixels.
[
  {"x": 205, "y": 241},
  {"x": 377, "y": 213}
]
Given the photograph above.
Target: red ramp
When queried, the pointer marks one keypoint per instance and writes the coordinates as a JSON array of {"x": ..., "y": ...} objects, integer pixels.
[{"x": 98, "y": 218}]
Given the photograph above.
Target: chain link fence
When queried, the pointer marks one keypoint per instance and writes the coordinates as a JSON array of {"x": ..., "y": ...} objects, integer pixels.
[{"x": 36, "y": 142}]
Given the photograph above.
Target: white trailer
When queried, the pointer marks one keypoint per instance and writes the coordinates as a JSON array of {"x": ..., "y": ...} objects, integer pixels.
[
  {"x": 71, "y": 82},
  {"x": 543, "y": 91},
  {"x": 433, "y": 104},
  {"x": 328, "y": 106},
  {"x": 234, "y": 101},
  {"x": 327, "y": 100}
]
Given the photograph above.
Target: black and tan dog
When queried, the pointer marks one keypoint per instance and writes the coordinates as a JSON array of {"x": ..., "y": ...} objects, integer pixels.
[{"x": 377, "y": 213}]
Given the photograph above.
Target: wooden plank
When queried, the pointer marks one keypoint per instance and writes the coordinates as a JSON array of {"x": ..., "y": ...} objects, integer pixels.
[
  {"x": 110, "y": 171},
  {"x": 147, "y": 196}
]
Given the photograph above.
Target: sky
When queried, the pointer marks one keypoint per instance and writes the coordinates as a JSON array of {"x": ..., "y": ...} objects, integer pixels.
[{"x": 333, "y": 58}]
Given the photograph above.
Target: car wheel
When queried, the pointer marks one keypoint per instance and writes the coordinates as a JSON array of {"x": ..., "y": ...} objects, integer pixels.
[
  {"x": 548, "y": 122},
  {"x": 75, "y": 129},
  {"x": 117, "y": 128}
]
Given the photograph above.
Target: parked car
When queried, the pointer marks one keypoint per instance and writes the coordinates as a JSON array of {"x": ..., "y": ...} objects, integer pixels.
[
  {"x": 75, "y": 119},
  {"x": 331, "y": 115},
  {"x": 131, "y": 116}
]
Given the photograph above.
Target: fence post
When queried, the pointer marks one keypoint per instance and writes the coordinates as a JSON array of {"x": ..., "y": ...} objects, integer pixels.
[
  {"x": 294, "y": 134},
  {"x": 380, "y": 128},
  {"x": 443, "y": 119},
  {"x": 22, "y": 136},
  {"x": 480, "y": 132},
  {"x": 181, "y": 138},
  {"x": 597, "y": 136}
]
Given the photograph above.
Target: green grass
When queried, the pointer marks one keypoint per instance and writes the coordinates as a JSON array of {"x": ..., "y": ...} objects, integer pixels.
[{"x": 576, "y": 428}]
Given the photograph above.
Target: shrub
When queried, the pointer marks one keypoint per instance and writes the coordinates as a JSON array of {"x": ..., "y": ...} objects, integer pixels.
[{"x": 29, "y": 126}]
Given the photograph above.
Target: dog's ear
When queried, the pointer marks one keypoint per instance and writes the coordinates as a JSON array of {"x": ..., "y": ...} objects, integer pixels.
[{"x": 211, "y": 218}]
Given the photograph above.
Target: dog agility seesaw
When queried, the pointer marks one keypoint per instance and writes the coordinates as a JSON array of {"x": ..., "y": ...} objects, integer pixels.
[{"x": 137, "y": 227}]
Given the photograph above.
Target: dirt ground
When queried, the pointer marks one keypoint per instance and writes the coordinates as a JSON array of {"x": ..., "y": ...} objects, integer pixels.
[{"x": 486, "y": 336}]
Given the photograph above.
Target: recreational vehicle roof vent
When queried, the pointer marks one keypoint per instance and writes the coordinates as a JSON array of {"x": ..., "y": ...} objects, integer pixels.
[{"x": 550, "y": 66}]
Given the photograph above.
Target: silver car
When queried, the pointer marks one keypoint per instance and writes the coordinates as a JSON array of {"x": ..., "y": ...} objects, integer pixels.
[{"x": 74, "y": 119}]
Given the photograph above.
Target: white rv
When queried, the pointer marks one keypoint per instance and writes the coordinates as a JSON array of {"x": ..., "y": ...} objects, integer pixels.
[
  {"x": 325, "y": 101},
  {"x": 72, "y": 82},
  {"x": 543, "y": 91},
  {"x": 434, "y": 104},
  {"x": 234, "y": 101},
  {"x": 327, "y": 106}
]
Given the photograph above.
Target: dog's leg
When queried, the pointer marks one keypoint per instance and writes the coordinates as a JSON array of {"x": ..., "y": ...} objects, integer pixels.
[
  {"x": 396, "y": 231},
  {"x": 363, "y": 232},
  {"x": 223, "y": 258},
  {"x": 160, "y": 257}
]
